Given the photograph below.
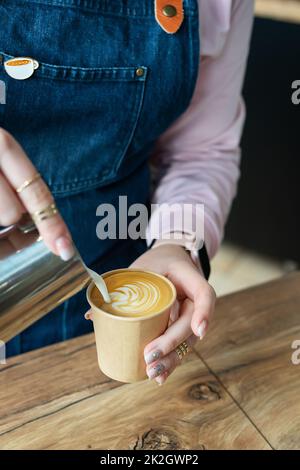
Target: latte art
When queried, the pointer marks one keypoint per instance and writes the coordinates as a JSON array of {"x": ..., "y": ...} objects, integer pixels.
[
  {"x": 135, "y": 294},
  {"x": 133, "y": 298}
]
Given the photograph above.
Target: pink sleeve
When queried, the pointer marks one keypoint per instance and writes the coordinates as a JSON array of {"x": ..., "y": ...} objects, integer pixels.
[{"x": 198, "y": 156}]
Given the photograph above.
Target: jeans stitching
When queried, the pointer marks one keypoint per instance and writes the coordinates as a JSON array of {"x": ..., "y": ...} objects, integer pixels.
[{"x": 144, "y": 10}]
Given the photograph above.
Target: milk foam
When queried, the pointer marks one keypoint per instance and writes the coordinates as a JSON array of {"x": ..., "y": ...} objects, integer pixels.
[
  {"x": 135, "y": 297},
  {"x": 135, "y": 293}
]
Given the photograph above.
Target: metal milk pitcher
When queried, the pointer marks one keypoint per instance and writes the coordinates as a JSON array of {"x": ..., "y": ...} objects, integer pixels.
[{"x": 33, "y": 281}]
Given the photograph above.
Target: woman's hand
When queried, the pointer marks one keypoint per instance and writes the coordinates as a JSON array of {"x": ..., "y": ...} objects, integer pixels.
[
  {"x": 15, "y": 169},
  {"x": 189, "y": 319}
]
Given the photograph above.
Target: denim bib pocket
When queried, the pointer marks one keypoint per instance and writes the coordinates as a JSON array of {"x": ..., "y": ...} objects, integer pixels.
[{"x": 75, "y": 123}]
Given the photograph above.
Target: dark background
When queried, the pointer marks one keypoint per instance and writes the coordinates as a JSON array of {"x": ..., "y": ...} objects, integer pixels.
[{"x": 265, "y": 215}]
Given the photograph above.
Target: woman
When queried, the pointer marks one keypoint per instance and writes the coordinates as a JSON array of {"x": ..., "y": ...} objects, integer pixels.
[{"x": 117, "y": 84}]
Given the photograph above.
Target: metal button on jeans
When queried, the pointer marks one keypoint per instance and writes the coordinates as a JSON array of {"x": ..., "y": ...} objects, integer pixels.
[
  {"x": 169, "y": 10},
  {"x": 139, "y": 72}
]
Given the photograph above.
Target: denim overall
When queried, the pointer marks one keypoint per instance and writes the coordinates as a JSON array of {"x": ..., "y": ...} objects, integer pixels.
[{"x": 110, "y": 81}]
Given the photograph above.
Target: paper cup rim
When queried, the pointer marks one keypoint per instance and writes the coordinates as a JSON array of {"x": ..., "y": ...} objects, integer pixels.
[{"x": 131, "y": 319}]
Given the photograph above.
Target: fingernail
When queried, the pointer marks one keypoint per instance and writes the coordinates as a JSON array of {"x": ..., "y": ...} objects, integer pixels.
[
  {"x": 156, "y": 371},
  {"x": 152, "y": 356},
  {"x": 160, "y": 380},
  {"x": 65, "y": 248},
  {"x": 202, "y": 329}
]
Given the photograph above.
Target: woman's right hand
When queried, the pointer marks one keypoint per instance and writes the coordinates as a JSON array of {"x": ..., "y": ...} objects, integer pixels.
[{"x": 15, "y": 169}]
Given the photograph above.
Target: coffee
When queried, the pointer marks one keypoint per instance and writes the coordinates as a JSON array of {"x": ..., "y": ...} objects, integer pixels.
[
  {"x": 139, "y": 313},
  {"x": 135, "y": 294}
]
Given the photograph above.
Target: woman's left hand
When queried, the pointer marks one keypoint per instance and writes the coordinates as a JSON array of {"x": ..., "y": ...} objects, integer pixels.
[{"x": 189, "y": 319}]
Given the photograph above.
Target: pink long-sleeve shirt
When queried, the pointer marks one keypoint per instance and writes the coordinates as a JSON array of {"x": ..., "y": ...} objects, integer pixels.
[{"x": 198, "y": 156}]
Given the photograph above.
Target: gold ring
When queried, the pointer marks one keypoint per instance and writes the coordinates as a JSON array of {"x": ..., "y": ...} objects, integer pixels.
[
  {"x": 182, "y": 349},
  {"x": 28, "y": 183},
  {"x": 44, "y": 214}
]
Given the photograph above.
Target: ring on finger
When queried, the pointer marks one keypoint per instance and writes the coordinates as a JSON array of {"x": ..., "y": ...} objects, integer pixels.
[
  {"x": 182, "y": 349},
  {"x": 44, "y": 214},
  {"x": 27, "y": 183}
]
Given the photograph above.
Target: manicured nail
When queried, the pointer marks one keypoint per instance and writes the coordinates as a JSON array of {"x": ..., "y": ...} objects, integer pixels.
[
  {"x": 156, "y": 371},
  {"x": 152, "y": 356},
  {"x": 65, "y": 248},
  {"x": 202, "y": 329},
  {"x": 160, "y": 380}
]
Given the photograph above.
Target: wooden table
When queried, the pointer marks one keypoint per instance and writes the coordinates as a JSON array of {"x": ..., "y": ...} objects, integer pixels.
[{"x": 238, "y": 390}]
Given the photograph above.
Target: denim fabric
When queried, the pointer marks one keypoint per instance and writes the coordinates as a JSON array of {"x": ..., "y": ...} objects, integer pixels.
[{"x": 88, "y": 121}]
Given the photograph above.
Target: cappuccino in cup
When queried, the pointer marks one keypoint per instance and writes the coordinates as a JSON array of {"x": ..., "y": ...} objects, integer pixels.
[
  {"x": 139, "y": 312},
  {"x": 135, "y": 294}
]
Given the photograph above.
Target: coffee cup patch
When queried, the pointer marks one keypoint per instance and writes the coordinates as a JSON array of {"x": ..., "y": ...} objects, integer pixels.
[{"x": 20, "y": 68}]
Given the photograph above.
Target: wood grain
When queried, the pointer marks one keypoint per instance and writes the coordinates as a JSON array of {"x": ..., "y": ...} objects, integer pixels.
[
  {"x": 249, "y": 349},
  {"x": 268, "y": 391},
  {"x": 49, "y": 379},
  {"x": 240, "y": 391},
  {"x": 191, "y": 411}
]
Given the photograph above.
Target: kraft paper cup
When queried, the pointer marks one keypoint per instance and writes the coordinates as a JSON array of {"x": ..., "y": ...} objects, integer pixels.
[{"x": 120, "y": 341}]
